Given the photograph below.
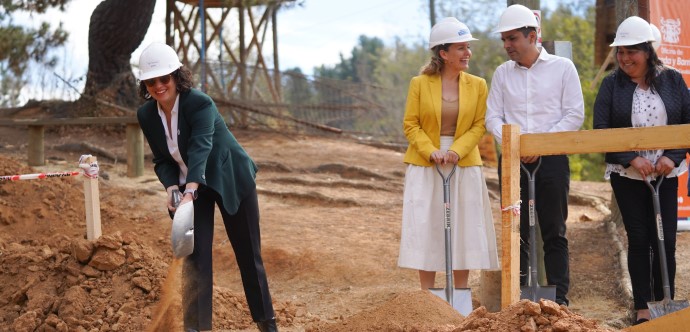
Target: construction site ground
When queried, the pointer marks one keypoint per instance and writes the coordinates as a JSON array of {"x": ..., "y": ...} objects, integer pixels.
[{"x": 330, "y": 224}]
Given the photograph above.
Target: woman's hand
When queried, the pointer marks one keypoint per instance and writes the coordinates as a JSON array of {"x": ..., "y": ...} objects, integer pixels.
[
  {"x": 664, "y": 166},
  {"x": 643, "y": 166},
  {"x": 170, "y": 200},
  {"x": 437, "y": 157},
  {"x": 451, "y": 157}
]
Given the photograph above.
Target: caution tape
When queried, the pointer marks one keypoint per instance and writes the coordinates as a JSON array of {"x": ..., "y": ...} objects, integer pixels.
[{"x": 90, "y": 170}]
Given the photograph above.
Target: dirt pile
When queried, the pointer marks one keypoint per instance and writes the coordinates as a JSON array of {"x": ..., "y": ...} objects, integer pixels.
[{"x": 423, "y": 311}]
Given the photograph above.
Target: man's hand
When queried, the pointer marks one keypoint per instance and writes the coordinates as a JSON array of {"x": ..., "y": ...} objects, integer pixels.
[{"x": 529, "y": 159}]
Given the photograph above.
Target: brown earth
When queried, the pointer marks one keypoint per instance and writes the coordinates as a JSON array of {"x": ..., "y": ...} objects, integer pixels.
[{"x": 331, "y": 211}]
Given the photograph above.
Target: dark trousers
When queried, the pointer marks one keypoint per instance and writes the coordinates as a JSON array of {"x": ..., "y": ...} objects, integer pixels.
[
  {"x": 242, "y": 229},
  {"x": 634, "y": 199},
  {"x": 552, "y": 184}
]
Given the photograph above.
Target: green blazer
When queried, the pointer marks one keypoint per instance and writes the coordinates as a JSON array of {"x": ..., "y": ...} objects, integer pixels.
[
  {"x": 212, "y": 154},
  {"x": 422, "y": 120}
]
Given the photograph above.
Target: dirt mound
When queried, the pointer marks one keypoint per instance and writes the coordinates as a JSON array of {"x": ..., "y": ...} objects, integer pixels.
[
  {"x": 423, "y": 311},
  {"x": 413, "y": 311},
  {"x": 526, "y": 316}
]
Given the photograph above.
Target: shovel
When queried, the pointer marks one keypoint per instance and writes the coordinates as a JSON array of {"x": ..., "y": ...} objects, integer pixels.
[
  {"x": 666, "y": 305},
  {"x": 532, "y": 291},
  {"x": 459, "y": 298}
]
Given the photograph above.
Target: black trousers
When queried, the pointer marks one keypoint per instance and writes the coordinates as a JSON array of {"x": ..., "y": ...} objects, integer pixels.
[
  {"x": 242, "y": 229},
  {"x": 552, "y": 184},
  {"x": 634, "y": 199}
]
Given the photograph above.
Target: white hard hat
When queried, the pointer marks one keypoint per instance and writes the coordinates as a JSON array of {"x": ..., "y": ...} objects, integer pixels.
[
  {"x": 449, "y": 30},
  {"x": 156, "y": 60},
  {"x": 632, "y": 31},
  {"x": 182, "y": 233},
  {"x": 516, "y": 17},
  {"x": 657, "y": 36}
]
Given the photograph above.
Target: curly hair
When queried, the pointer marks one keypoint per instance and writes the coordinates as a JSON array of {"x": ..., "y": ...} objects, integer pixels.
[
  {"x": 183, "y": 82},
  {"x": 435, "y": 64}
]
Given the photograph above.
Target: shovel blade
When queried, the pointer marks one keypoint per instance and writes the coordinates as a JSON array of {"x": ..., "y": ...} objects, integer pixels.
[
  {"x": 666, "y": 306},
  {"x": 535, "y": 294},
  {"x": 462, "y": 299}
]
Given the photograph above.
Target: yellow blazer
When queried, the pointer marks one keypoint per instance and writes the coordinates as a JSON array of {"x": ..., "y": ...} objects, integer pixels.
[{"x": 422, "y": 121}]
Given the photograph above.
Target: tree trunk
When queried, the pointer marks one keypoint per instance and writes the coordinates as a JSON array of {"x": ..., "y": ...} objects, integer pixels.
[{"x": 116, "y": 29}]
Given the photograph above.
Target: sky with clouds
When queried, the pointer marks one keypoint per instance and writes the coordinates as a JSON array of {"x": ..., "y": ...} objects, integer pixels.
[{"x": 310, "y": 35}]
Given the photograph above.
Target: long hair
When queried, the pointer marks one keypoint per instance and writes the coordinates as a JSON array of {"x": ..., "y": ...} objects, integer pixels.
[
  {"x": 183, "y": 82},
  {"x": 654, "y": 64},
  {"x": 435, "y": 64}
]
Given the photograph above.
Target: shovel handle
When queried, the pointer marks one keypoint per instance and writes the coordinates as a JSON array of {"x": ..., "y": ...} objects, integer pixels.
[
  {"x": 666, "y": 285},
  {"x": 447, "y": 234}
]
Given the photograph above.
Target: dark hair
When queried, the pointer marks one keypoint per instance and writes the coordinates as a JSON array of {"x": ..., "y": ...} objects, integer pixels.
[
  {"x": 435, "y": 64},
  {"x": 183, "y": 82},
  {"x": 526, "y": 30},
  {"x": 653, "y": 63}
]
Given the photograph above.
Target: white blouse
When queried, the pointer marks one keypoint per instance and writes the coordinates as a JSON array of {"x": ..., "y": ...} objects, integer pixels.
[
  {"x": 648, "y": 110},
  {"x": 173, "y": 148}
]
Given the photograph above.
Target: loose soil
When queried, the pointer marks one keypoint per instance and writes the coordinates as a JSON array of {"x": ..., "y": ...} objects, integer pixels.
[{"x": 330, "y": 223}]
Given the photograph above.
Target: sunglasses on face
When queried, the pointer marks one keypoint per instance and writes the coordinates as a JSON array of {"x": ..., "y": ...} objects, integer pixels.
[{"x": 163, "y": 79}]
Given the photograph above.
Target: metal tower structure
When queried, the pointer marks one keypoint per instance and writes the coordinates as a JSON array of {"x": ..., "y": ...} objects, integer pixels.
[{"x": 222, "y": 41}]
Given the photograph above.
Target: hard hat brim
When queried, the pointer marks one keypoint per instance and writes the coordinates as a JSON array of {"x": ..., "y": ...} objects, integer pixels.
[
  {"x": 452, "y": 41},
  {"x": 157, "y": 72}
]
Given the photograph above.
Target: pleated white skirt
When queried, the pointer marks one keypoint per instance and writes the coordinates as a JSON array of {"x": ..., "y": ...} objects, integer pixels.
[{"x": 422, "y": 243}]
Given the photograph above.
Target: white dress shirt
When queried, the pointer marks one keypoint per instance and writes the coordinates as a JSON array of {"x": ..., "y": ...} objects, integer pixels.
[
  {"x": 173, "y": 147},
  {"x": 547, "y": 97}
]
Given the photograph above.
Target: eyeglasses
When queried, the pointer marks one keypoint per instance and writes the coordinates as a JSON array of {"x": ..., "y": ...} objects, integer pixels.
[{"x": 163, "y": 79}]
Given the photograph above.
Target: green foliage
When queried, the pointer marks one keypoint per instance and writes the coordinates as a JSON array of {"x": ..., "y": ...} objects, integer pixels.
[{"x": 21, "y": 46}]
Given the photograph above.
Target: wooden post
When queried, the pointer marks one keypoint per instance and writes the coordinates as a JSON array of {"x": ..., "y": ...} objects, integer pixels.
[
  {"x": 92, "y": 203},
  {"x": 510, "y": 221},
  {"x": 135, "y": 151},
  {"x": 36, "y": 151}
]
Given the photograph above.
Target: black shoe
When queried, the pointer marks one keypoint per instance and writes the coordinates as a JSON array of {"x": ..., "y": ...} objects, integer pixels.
[
  {"x": 640, "y": 321},
  {"x": 562, "y": 301},
  {"x": 268, "y": 325}
]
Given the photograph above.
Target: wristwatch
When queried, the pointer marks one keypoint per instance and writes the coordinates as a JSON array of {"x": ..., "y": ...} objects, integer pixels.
[{"x": 194, "y": 192}]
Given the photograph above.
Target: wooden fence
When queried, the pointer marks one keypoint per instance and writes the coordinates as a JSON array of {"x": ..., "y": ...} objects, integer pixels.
[
  {"x": 36, "y": 148},
  {"x": 572, "y": 142}
]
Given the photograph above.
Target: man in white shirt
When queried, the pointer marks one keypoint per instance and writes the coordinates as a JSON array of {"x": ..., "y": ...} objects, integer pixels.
[{"x": 541, "y": 93}]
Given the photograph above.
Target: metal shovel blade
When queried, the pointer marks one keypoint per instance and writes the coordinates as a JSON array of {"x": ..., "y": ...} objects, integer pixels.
[
  {"x": 182, "y": 232},
  {"x": 666, "y": 306},
  {"x": 537, "y": 293},
  {"x": 462, "y": 299}
]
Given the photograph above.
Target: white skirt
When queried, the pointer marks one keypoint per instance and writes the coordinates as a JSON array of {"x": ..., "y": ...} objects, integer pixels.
[{"x": 473, "y": 238}]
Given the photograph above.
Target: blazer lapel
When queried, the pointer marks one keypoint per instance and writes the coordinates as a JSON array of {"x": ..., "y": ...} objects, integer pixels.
[{"x": 436, "y": 95}]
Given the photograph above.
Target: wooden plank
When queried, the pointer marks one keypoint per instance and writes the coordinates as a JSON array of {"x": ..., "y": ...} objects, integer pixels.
[
  {"x": 35, "y": 150},
  {"x": 510, "y": 221},
  {"x": 135, "y": 151},
  {"x": 69, "y": 121},
  {"x": 605, "y": 140},
  {"x": 92, "y": 203}
]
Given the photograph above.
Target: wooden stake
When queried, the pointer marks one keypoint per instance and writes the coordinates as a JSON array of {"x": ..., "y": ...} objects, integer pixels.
[
  {"x": 510, "y": 222},
  {"x": 92, "y": 204}
]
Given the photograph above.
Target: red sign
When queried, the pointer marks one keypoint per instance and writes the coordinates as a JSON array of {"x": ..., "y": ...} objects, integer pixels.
[{"x": 673, "y": 20}]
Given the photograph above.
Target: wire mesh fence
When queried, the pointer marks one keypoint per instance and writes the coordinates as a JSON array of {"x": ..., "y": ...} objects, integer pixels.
[{"x": 294, "y": 102}]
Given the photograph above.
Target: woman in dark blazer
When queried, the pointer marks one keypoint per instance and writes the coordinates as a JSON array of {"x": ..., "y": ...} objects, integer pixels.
[
  {"x": 642, "y": 92},
  {"x": 193, "y": 150}
]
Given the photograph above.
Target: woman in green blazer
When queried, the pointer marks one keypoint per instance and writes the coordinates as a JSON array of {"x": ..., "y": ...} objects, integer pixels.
[
  {"x": 443, "y": 122},
  {"x": 194, "y": 150}
]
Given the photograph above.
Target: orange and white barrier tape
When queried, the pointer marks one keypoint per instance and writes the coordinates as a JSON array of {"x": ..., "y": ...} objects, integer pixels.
[
  {"x": 90, "y": 170},
  {"x": 515, "y": 208}
]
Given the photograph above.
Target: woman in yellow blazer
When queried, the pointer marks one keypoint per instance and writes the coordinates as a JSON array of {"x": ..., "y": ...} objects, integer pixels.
[{"x": 444, "y": 121}]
